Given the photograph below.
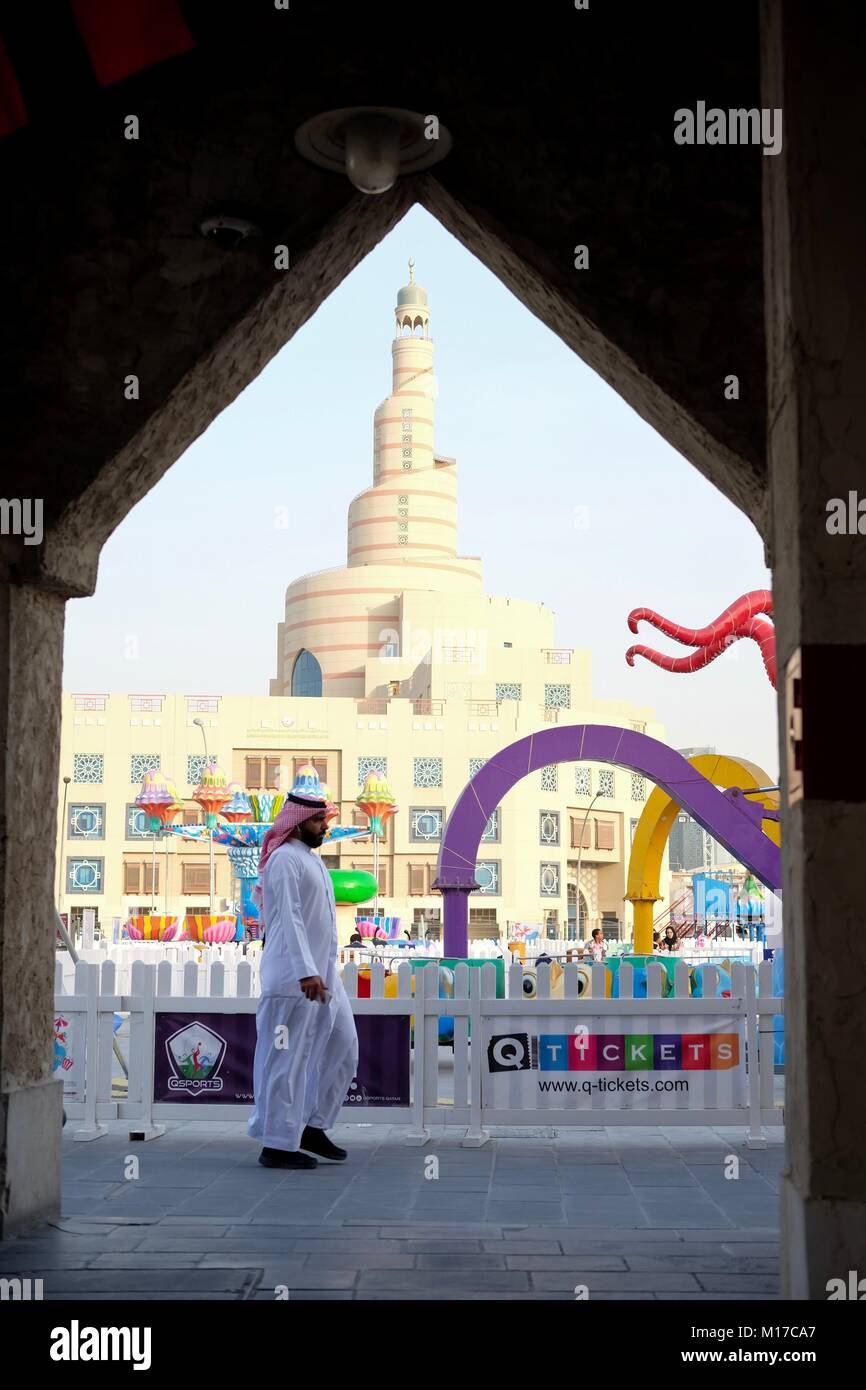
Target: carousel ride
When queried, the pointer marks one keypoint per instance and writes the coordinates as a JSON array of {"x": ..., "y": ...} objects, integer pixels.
[{"x": 238, "y": 820}]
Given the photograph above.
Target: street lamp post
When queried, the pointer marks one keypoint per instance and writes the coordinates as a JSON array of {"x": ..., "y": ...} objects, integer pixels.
[
  {"x": 66, "y": 782},
  {"x": 579, "y": 850},
  {"x": 200, "y": 723}
]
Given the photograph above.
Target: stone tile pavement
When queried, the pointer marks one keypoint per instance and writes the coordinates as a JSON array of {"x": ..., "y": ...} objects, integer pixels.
[{"x": 632, "y": 1213}]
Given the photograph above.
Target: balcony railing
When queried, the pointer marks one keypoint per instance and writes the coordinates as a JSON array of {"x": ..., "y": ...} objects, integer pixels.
[
  {"x": 551, "y": 716},
  {"x": 458, "y": 654},
  {"x": 482, "y": 709},
  {"x": 428, "y": 707},
  {"x": 557, "y": 656},
  {"x": 83, "y": 702},
  {"x": 372, "y": 706}
]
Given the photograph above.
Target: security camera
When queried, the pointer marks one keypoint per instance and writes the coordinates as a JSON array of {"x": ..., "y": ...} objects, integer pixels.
[{"x": 228, "y": 230}]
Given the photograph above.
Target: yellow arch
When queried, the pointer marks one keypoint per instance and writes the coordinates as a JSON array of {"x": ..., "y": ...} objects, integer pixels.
[{"x": 654, "y": 827}]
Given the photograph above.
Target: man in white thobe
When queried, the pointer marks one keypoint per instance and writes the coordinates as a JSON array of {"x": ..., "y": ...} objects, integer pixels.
[{"x": 307, "y": 1044}]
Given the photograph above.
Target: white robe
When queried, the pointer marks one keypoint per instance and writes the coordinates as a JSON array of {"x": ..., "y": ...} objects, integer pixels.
[{"x": 303, "y": 1080}]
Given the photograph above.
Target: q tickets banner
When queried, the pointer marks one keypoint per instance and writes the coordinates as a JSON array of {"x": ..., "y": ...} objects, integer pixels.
[{"x": 616, "y": 1063}]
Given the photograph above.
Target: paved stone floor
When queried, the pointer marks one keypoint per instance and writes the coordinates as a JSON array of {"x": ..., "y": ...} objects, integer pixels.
[{"x": 632, "y": 1213}]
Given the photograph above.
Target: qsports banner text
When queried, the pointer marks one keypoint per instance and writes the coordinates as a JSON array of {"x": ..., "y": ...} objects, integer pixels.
[{"x": 617, "y": 1063}]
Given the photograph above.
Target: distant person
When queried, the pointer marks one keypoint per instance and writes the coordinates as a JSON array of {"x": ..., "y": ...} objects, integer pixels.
[
  {"x": 670, "y": 941},
  {"x": 657, "y": 941},
  {"x": 596, "y": 948},
  {"x": 356, "y": 939}
]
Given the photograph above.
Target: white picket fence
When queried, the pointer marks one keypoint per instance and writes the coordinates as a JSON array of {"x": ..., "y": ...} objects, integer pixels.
[{"x": 439, "y": 1096}]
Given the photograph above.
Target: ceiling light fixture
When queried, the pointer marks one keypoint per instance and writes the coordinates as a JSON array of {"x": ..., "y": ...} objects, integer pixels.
[{"x": 373, "y": 145}]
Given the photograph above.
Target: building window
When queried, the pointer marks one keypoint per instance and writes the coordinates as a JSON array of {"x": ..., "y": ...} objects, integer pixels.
[
  {"x": 475, "y": 765},
  {"x": 607, "y": 783},
  {"x": 90, "y": 702},
  {"x": 367, "y": 765},
  {"x": 84, "y": 875},
  {"x": 488, "y": 876},
  {"x": 548, "y": 827},
  {"x": 262, "y": 774},
  {"x": 425, "y": 823},
  {"x": 583, "y": 781},
  {"x": 549, "y": 881},
  {"x": 137, "y": 876},
  {"x": 427, "y": 772},
  {"x": 491, "y": 829},
  {"x": 202, "y": 704},
  {"x": 604, "y": 834},
  {"x": 136, "y": 822},
  {"x": 638, "y": 787},
  {"x": 581, "y": 832},
  {"x": 87, "y": 767},
  {"x": 509, "y": 690},
  {"x": 196, "y": 877},
  {"x": 306, "y": 675},
  {"x": 86, "y": 822},
  {"x": 146, "y": 704},
  {"x": 417, "y": 880},
  {"x": 550, "y": 778},
  {"x": 195, "y": 767},
  {"x": 557, "y": 696},
  {"x": 140, "y": 763}
]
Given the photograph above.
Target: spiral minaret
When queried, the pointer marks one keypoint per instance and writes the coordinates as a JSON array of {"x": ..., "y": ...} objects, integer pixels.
[{"x": 402, "y": 532}]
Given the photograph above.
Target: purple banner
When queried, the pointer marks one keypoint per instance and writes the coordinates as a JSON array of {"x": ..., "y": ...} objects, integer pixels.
[{"x": 209, "y": 1058}]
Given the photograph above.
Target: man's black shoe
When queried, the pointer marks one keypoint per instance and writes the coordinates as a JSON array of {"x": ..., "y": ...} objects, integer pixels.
[
  {"x": 316, "y": 1141},
  {"x": 281, "y": 1158}
]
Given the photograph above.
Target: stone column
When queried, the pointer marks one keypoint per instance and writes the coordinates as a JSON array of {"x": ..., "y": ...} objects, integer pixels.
[
  {"x": 815, "y": 286},
  {"x": 31, "y": 658}
]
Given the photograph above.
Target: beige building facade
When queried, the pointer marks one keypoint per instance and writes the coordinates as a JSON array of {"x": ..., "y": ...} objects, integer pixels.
[{"x": 397, "y": 660}]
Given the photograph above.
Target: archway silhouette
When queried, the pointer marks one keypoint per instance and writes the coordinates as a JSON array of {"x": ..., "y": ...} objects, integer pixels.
[{"x": 730, "y": 819}]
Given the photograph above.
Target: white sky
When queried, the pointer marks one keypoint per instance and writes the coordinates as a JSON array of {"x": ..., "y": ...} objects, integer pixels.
[{"x": 198, "y": 571}]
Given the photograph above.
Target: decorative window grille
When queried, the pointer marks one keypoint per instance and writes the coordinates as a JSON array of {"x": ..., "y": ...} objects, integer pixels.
[
  {"x": 557, "y": 696},
  {"x": 202, "y": 704},
  {"x": 488, "y": 876},
  {"x": 549, "y": 881},
  {"x": 427, "y": 772},
  {"x": 583, "y": 781},
  {"x": 84, "y": 875},
  {"x": 491, "y": 829},
  {"x": 87, "y": 767},
  {"x": 140, "y": 763},
  {"x": 638, "y": 787},
  {"x": 195, "y": 766},
  {"x": 136, "y": 823},
  {"x": 548, "y": 827},
  {"x": 475, "y": 765},
  {"x": 365, "y": 765},
  {"x": 90, "y": 702},
  {"x": 86, "y": 822},
  {"x": 425, "y": 823},
  {"x": 509, "y": 690},
  {"x": 607, "y": 783},
  {"x": 550, "y": 778}
]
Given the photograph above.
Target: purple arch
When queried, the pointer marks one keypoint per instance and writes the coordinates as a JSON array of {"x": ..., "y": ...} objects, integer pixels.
[{"x": 729, "y": 817}]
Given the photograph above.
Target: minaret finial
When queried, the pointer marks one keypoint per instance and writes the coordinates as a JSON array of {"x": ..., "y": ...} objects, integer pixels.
[{"x": 411, "y": 271}]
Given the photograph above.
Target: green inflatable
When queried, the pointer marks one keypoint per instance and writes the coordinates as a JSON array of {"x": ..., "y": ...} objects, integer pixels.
[{"x": 352, "y": 885}]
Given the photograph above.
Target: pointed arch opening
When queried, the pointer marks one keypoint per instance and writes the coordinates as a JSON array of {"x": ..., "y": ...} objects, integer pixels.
[{"x": 306, "y": 675}]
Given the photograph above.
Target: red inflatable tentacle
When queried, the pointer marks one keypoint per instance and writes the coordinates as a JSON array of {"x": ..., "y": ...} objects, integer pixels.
[
  {"x": 695, "y": 660},
  {"x": 764, "y": 634},
  {"x": 743, "y": 608}
]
